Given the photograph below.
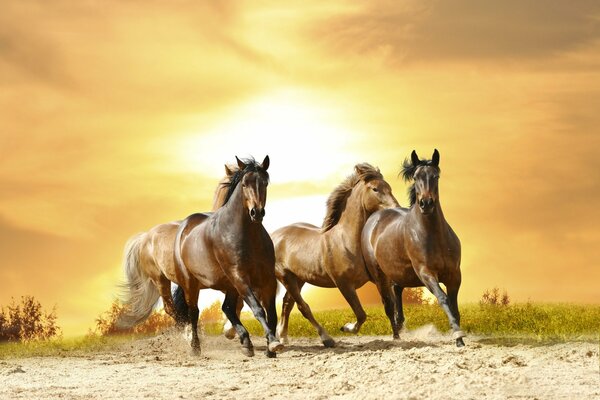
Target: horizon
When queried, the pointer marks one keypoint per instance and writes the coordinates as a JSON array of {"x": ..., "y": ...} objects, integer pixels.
[{"x": 116, "y": 117}]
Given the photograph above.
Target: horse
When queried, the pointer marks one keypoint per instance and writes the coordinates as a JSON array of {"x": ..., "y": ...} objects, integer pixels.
[
  {"x": 149, "y": 267},
  {"x": 230, "y": 250},
  {"x": 330, "y": 256},
  {"x": 413, "y": 247}
]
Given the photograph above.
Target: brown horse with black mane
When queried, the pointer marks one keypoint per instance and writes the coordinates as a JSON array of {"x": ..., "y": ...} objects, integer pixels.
[
  {"x": 412, "y": 247},
  {"x": 227, "y": 250},
  {"x": 331, "y": 256}
]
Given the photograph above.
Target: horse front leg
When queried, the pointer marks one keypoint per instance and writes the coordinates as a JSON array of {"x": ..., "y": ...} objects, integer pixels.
[
  {"x": 231, "y": 309},
  {"x": 448, "y": 305},
  {"x": 273, "y": 345},
  {"x": 349, "y": 293},
  {"x": 191, "y": 298},
  {"x": 229, "y": 330},
  {"x": 453, "y": 304},
  {"x": 286, "y": 308}
]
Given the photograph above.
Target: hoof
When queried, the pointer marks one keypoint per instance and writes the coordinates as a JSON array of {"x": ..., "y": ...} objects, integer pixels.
[
  {"x": 460, "y": 342},
  {"x": 270, "y": 354},
  {"x": 275, "y": 346},
  {"x": 458, "y": 335},
  {"x": 195, "y": 351},
  {"x": 329, "y": 342},
  {"x": 396, "y": 336},
  {"x": 248, "y": 351},
  {"x": 350, "y": 327},
  {"x": 229, "y": 334}
]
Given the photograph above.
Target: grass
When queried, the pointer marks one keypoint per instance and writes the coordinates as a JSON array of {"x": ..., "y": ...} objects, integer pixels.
[
  {"x": 535, "y": 321},
  {"x": 517, "y": 323}
]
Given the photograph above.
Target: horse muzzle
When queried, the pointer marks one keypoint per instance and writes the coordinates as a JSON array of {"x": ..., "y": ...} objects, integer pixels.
[
  {"x": 257, "y": 214},
  {"x": 426, "y": 205}
]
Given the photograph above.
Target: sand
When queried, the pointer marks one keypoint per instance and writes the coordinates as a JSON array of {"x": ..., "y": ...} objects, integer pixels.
[{"x": 424, "y": 364}]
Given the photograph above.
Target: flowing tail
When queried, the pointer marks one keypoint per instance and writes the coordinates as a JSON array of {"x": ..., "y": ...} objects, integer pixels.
[
  {"x": 140, "y": 294},
  {"x": 181, "y": 307}
]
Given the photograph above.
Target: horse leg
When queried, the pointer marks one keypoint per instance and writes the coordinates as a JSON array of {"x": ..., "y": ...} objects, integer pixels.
[
  {"x": 229, "y": 330},
  {"x": 271, "y": 321},
  {"x": 273, "y": 345},
  {"x": 286, "y": 309},
  {"x": 383, "y": 285},
  {"x": 453, "y": 304},
  {"x": 349, "y": 293},
  {"x": 399, "y": 307},
  {"x": 434, "y": 287},
  {"x": 293, "y": 286},
  {"x": 164, "y": 288},
  {"x": 230, "y": 307},
  {"x": 191, "y": 298}
]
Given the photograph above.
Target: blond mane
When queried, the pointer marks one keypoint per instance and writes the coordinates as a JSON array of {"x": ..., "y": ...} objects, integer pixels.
[{"x": 336, "y": 202}]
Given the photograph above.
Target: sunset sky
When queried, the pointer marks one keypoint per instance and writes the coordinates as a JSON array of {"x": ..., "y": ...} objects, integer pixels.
[{"x": 116, "y": 116}]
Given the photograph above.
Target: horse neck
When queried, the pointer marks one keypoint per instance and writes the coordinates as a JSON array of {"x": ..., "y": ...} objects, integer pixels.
[
  {"x": 234, "y": 215},
  {"x": 354, "y": 216},
  {"x": 433, "y": 223}
]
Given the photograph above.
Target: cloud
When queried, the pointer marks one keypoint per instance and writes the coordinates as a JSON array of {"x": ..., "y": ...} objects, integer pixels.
[{"x": 461, "y": 30}]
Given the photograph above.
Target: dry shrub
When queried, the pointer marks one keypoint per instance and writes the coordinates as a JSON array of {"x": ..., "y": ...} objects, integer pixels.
[
  {"x": 107, "y": 322},
  {"x": 492, "y": 297},
  {"x": 27, "y": 321},
  {"x": 414, "y": 296},
  {"x": 212, "y": 313}
]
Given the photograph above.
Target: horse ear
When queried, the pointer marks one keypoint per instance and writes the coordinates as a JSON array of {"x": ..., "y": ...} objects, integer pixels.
[
  {"x": 414, "y": 158},
  {"x": 228, "y": 170},
  {"x": 265, "y": 163},
  {"x": 240, "y": 163},
  {"x": 435, "y": 160}
]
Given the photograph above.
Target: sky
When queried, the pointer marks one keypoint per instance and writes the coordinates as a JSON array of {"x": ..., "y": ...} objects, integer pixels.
[{"x": 116, "y": 116}]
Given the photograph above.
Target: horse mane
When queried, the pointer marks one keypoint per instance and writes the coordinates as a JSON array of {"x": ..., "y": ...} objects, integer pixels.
[
  {"x": 336, "y": 202},
  {"x": 222, "y": 188},
  {"x": 236, "y": 177},
  {"x": 408, "y": 173}
]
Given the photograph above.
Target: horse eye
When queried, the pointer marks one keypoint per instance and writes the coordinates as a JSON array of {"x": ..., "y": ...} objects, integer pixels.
[{"x": 375, "y": 190}]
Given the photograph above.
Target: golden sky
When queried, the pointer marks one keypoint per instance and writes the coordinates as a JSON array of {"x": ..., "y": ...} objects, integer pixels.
[{"x": 119, "y": 115}]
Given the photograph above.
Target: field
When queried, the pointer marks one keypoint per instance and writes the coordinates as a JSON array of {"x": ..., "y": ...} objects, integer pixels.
[{"x": 521, "y": 351}]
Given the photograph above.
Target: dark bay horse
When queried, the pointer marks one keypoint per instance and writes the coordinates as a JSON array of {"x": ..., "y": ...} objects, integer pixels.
[
  {"x": 149, "y": 266},
  {"x": 230, "y": 250},
  {"x": 331, "y": 256},
  {"x": 412, "y": 247}
]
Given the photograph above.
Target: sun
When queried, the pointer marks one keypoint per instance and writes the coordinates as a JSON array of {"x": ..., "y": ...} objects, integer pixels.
[{"x": 305, "y": 137}]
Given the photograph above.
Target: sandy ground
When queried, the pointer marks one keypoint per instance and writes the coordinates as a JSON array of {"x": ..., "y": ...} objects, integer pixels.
[{"x": 424, "y": 364}]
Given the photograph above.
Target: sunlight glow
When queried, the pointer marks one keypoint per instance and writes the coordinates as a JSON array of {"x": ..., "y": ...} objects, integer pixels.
[{"x": 304, "y": 137}]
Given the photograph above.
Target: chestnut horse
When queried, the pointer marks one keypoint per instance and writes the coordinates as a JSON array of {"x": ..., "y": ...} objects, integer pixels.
[
  {"x": 149, "y": 266},
  {"x": 412, "y": 247},
  {"x": 230, "y": 250},
  {"x": 331, "y": 256}
]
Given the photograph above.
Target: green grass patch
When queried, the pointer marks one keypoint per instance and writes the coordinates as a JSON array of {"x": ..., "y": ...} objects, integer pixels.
[
  {"x": 535, "y": 321},
  {"x": 60, "y": 347}
]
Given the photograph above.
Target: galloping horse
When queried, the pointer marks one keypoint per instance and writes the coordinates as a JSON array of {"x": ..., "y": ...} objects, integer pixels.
[
  {"x": 230, "y": 250},
  {"x": 331, "y": 256},
  {"x": 150, "y": 268},
  {"x": 415, "y": 247}
]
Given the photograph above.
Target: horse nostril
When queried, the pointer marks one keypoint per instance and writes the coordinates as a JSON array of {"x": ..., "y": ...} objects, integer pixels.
[
  {"x": 262, "y": 212},
  {"x": 422, "y": 203},
  {"x": 253, "y": 212}
]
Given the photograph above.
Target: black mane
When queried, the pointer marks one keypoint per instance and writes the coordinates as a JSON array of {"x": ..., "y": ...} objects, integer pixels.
[
  {"x": 236, "y": 178},
  {"x": 408, "y": 173}
]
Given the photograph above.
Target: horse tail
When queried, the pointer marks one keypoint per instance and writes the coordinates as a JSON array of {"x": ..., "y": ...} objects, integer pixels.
[
  {"x": 140, "y": 294},
  {"x": 181, "y": 307}
]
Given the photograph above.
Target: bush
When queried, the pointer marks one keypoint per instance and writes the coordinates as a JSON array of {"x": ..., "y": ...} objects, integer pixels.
[
  {"x": 212, "y": 313},
  {"x": 106, "y": 323},
  {"x": 491, "y": 297},
  {"x": 413, "y": 296},
  {"x": 27, "y": 321}
]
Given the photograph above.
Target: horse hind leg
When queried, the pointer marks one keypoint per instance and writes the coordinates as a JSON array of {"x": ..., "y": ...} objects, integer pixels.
[
  {"x": 164, "y": 288},
  {"x": 191, "y": 298},
  {"x": 293, "y": 286},
  {"x": 286, "y": 309},
  {"x": 230, "y": 307}
]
